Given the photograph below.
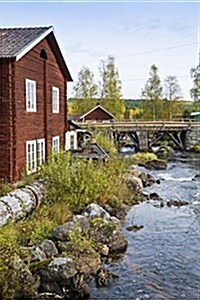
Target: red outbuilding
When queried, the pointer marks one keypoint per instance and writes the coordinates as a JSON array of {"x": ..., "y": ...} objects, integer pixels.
[
  {"x": 99, "y": 114},
  {"x": 33, "y": 88}
]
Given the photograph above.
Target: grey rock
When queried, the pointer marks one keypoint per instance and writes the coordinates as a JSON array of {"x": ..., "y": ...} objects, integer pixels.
[
  {"x": 50, "y": 287},
  {"x": 62, "y": 232},
  {"x": 95, "y": 211},
  {"x": 105, "y": 277},
  {"x": 49, "y": 248},
  {"x": 38, "y": 254},
  {"x": 135, "y": 184},
  {"x": 156, "y": 164},
  {"x": 82, "y": 222},
  {"x": 49, "y": 296},
  {"x": 63, "y": 268}
]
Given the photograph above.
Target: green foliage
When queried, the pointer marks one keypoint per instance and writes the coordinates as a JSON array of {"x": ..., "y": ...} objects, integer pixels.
[
  {"x": 195, "y": 91},
  {"x": 196, "y": 147},
  {"x": 9, "y": 255},
  {"x": 5, "y": 187},
  {"x": 81, "y": 106},
  {"x": 172, "y": 88},
  {"x": 79, "y": 182},
  {"x": 71, "y": 184},
  {"x": 172, "y": 93},
  {"x": 26, "y": 232},
  {"x": 81, "y": 242},
  {"x": 85, "y": 87},
  {"x": 110, "y": 85},
  {"x": 116, "y": 107},
  {"x": 152, "y": 104},
  {"x": 102, "y": 139},
  {"x": 106, "y": 227},
  {"x": 143, "y": 157}
]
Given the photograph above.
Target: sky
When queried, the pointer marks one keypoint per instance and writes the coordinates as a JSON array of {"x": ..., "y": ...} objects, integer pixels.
[{"x": 137, "y": 33}]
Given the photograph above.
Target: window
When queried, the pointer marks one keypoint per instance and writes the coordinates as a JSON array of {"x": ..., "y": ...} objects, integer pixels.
[
  {"x": 72, "y": 142},
  {"x": 55, "y": 99},
  {"x": 30, "y": 95},
  {"x": 31, "y": 162},
  {"x": 40, "y": 151},
  {"x": 55, "y": 144}
]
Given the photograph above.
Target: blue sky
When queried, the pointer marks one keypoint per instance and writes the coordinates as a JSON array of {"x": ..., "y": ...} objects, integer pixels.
[{"x": 138, "y": 34}]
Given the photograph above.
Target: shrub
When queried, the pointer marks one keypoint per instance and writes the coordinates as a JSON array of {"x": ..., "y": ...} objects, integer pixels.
[
  {"x": 143, "y": 157},
  {"x": 102, "y": 139},
  {"x": 5, "y": 187},
  {"x": 78, "y": 182}
]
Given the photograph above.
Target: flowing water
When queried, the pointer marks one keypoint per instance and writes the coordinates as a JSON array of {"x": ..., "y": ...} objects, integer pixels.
[{"x": 162, "y": 260}]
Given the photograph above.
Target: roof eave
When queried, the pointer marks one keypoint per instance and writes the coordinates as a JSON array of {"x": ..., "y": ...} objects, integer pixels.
[
  {"x": 21, "y": 53},
  {"x": 83, "y": 116}
]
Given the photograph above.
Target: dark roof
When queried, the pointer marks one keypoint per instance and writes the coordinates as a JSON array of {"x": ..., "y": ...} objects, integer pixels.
[{"x": 15, "y": 40}]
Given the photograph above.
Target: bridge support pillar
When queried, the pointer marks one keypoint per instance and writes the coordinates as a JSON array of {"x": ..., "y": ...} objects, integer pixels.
[{"x": 143, "y": 138}]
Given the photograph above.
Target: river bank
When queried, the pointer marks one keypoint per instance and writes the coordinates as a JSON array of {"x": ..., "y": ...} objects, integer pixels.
[
  {"x": 69, "y": 244},
  {"x": 32, "y": 255}
]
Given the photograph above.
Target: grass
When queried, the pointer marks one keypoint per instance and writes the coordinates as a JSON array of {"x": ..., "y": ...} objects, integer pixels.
[
  {"x": 71, "y": 185},
  {"x": 143, "y": 157}
]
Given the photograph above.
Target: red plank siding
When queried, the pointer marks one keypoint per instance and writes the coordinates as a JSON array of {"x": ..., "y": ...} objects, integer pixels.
[{"x": 18, "y": 126}]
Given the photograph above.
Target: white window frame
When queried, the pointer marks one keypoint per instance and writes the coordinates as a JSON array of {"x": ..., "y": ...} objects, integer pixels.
[
  {"x": 55, "y": 99},
  {"x": 57, "y": 148},
  {"x": 31, "y": 157},
  {"x": 68, "y": 144},
  {"x": 40, "y": 151},
  {"x": 31, "y": 95}
]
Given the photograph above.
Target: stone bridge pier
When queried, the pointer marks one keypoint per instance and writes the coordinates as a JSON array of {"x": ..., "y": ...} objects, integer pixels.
[{"x": 192, "y": 137}]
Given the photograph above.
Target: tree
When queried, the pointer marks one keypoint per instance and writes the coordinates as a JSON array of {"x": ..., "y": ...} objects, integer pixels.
[
  {"x": 85, "y": 88},
  {"x": 172, "y": 94},
  {"x": 195, "y": 91},
  {"x": 110, "y": 86},
  {"x": 152, "y": 96},
  {"x": 172, "y": 88}
]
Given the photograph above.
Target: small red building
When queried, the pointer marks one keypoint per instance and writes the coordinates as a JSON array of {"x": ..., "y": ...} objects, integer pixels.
[
  {"x": 99, "y": 114},
  {"x": 33, "y": 88}
]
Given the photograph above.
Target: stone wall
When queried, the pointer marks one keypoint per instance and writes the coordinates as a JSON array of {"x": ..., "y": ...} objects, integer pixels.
[{"x": 192, "y": 137}]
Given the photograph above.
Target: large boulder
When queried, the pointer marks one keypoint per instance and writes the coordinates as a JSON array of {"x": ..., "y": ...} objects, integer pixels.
[
  {"x": 147, "y": 179},
  {"x": 135, "y": 184},
  {"x": 94, "y": 210},
  {"x": 62, "y": 232},
  {"x": 49, "y": 248},
  {"x": 108, "y": 233},
  {"x": 165, "y": 152},
  {"x": 57, "y": 274},
  {"x": 157, "y": 164},
  {"x": 63, "y": 277},
  {"x": 82, "y": 222}
]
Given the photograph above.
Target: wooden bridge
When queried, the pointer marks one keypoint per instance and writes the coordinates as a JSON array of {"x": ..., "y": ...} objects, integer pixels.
[{"x": 145, "y": 134}]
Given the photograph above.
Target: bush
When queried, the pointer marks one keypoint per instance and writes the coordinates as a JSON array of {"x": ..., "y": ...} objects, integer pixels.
[
  {"x": 102, "y": 139},
  {"x": 71, "y": 185},
  {"x": 79, "y": 182},
  {"x": 143, "y": 157}
]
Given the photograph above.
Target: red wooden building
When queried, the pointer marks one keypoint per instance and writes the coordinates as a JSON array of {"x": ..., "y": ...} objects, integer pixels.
[
  {"x": 99, "y": 114},
  {"x": 33, "y": 87}
]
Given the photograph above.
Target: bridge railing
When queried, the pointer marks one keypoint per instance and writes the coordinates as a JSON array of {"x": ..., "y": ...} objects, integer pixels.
[{"x": 137, "y": 123}]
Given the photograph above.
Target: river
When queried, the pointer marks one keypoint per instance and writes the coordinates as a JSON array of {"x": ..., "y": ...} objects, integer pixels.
[{"x": 162, "y": 261}]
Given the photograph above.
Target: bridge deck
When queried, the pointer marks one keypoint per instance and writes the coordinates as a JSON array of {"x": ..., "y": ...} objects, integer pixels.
[{"x": 142, "y": 125}]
